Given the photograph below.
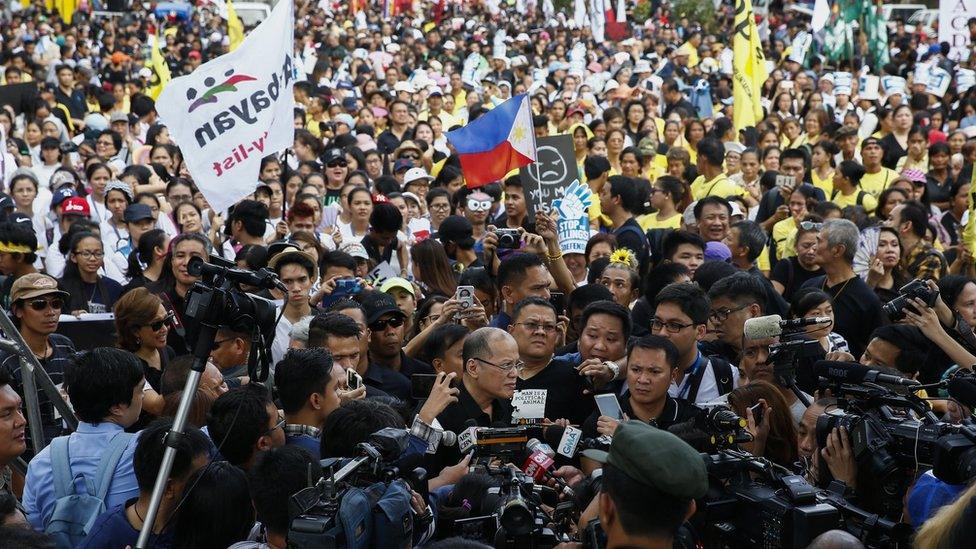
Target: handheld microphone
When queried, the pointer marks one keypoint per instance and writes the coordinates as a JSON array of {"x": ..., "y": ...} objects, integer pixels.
[
  {"x": 468, "y": 439},
  {"x": 852, "y": 372},
  {"x": 765, "y": 327},
  {"x": 537, "y": 465},
  {"x": 448, "y": 438},
  {"x": 565, "y": 440},
  {"x": 534, "y": 445}
]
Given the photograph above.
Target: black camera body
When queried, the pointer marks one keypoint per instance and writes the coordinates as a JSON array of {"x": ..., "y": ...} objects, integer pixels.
[
  {"x": 914, "y": 289},
  {"x": 508, "y": 239}
]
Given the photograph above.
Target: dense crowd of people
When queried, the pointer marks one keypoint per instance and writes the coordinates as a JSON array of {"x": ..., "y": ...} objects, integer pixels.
[{"x": 854, "y": 183}]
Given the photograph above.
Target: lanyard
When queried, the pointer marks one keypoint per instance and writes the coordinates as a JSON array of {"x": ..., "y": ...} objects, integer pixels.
[{"x": 691, "y": 373}]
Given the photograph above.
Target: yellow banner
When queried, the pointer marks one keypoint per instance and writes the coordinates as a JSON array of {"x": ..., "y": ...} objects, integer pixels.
[
  {"x": 160, "y": 70},
  {"x": 235, "y": 29},
  {"x": 748, "y": 68}
]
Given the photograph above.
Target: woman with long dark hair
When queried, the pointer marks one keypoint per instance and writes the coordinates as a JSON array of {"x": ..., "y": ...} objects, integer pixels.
[
  {"x": 146, "y": 261},
  {"x": 89, "y": 291},
  {"x": 775, "y": 436},
  {"x": 432, "y": 268}
]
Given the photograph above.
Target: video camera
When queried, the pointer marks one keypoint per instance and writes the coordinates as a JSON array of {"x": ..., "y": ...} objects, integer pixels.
[
  {"x": 915, "y": 289},
  {"x": 712, "y": 429}
]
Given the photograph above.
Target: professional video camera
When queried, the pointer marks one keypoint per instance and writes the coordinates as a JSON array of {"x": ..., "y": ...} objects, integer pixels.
[
  {"x": 217, "y": 300},
  {"x": 714, "y": 428},
  {"x": 891, "y": 433},
  {"x": 753, "y": 502},
  {"x": 343, "y": 498},
  {"x": 793, "y": 355},
  {"x": 915, "y": 289}
]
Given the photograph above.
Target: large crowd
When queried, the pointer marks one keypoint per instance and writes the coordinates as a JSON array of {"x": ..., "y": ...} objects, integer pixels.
[{"x": 853, "y": 183}]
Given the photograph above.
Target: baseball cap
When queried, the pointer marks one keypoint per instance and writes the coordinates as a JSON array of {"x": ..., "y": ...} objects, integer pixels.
[
  {"x": 76, "y": 206},
  {"x": 331, "y": 155},
  {"x": 415, "y": 174},
  {"x": 376, "y": 304},
  {"x": 118, "y": 117},
  {"x": 656, "y": 458},
  {"x": 402, "y": 164},
  {"x": 61, "y": 195},
  {"x": 34, "y": 285},
  {"x": 457, "y": 229},
  {"x": 137, "y": 212},
  {"x": 397, "y": 282},
  {"x": 355, "y": 249},
  {"x": 871, "y": 141}
]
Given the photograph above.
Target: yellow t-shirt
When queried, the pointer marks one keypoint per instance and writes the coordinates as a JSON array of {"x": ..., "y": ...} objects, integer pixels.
[
  {"x": 784, "y": 235},
  {"x": 869, "y": 202},
  {"x": 596, "y": 212},
  {"x": 650, "y": 221},
  {"x": 762, "y": 262},
  {"x": 720, "y": 185},
  {"x": 874, "y": 183},
  {"x": 826, "y": 183}
]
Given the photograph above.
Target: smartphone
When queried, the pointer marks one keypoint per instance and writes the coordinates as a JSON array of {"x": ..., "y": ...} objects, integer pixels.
[
  {"x": 609, "y": 406},
  {"x": 558, "y": 300},
  {"x": 353, "y": 379},
  {"x": 422, "y": 384},
  {"x": 757, "y": 412},
  {"x": 347, "y": 286},
  {"x": 464, "y": 295}
]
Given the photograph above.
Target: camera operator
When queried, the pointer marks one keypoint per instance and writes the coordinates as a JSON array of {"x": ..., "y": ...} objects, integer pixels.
[
  {"x": 652, "y": 363},
  {"x": 535, "y": 328},
  {"x": 681, "y": 314},
  {"x": 651, "y": 479},
  {"x": 308, "y": 394},
  {"x": 491, "y": 369},
  {"x": 755, "y": 354}
]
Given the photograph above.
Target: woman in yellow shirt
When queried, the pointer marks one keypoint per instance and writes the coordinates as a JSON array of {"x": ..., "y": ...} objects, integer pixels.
[
  {"x": 666, "y": 194},
  {"x": 694, "y": 132},
  {"x": 581, "y": 135},
  {"x": 784, "y": 232},
  {"x": 615, "y": 144},
  {"x": 822, "y": 166},
  {"x": 790, "y": 134}
]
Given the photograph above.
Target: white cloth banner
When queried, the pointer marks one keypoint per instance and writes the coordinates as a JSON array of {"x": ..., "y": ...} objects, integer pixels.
[
  {"x": 236, "y": 109},
  {"x": 953, "y": 15}
]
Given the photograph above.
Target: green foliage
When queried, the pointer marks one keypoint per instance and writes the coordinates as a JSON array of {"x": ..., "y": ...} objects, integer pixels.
[
  {"x": 642, "y": 12},
  {"x": 699, "y": 11}
]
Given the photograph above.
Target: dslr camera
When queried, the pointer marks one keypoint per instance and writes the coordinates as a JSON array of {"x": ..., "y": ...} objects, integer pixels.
[
  {"x": 508, "y": 239},
  {"x": 914, "y": 289}
]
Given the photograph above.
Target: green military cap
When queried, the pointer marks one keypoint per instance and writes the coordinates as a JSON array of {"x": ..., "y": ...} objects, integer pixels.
[{"x": 655, "y": 458}]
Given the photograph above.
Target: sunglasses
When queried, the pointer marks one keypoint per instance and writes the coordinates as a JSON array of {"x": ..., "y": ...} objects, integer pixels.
[
  {"x": 158, "y": 325},
  {"x": 337, "y": 164},
  {"x": 410, "y": 156},
  {"x": 381, "y": 325},
  {"x": 41, "y": 304}
]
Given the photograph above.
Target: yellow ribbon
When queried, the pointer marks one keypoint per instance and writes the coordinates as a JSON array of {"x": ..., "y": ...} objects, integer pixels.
[{"x": 9, "y": 247}]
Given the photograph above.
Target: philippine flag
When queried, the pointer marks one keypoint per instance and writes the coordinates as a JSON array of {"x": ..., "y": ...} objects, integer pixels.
[{"x": 498, "y": 142}]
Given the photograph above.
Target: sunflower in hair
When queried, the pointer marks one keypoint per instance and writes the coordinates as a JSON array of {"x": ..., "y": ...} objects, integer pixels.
[{"x": 624, "y": 256}]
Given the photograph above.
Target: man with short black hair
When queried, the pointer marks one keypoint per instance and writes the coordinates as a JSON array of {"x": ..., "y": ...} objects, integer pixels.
[
  {"x": 713, "y": 215},
  {"x": 120, "y": 526},
  {"x": 516, "y": 213},
  {"x": 390, "y": 368},
  {"x": 918, "y": 258},
  {"x": 13, "y": 428},
  {"x": 276, "y": 475},
  {"x": 297, "y": 270},
  {"x": 307, "y": 391},
  {"x": 619, "y": 199},
  {"x": 105, "y": 387},
  {"x": 520, "y": 275},
  {"x": 243, "y": 422},
  {"x": 747, "y": 240},
  {"x": 596, "y": 168},
  {"x": 381, "y": 241},
  {"x": 713, "y": 181},
  {"x": 685, "y": 248},
  {"x": 18, "y": 243},
  {"x": 248, "y": 222},
  {"x": 734, "y": 299}
]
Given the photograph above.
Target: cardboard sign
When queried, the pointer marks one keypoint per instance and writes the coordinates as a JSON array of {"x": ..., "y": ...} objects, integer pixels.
[
  {"x": 529, "y": 404},
  {"x": 548, "y": 177},
  {"x": 938, "y": 81},
  {"x": 380, "y": 273},
  {"x": 953, "y": 15},
  {"x": 573, "y": 224}
]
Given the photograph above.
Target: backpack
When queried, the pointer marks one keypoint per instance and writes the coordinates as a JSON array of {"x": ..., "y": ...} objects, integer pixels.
[
  {"x": 74, "y": 514},
  {"x": 379, "y": 515}
]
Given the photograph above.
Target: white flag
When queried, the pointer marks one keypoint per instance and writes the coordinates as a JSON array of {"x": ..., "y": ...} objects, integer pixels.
[
  {"x": 235, "y": 110},
  {"x": 821, "y": 11}
]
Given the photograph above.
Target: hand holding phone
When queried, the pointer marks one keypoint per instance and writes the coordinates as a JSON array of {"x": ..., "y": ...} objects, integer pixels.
[{"x": 609, "y": 406}]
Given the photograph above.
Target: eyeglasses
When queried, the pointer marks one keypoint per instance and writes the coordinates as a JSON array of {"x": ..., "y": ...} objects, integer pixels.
[
  {"x": 158, "y": 325},
  {"x": 337, "y": 164},
  {"x": 721, "y": 315},
  {"x": 218, "y": 342},
  {"x": 810, "y": 226},
  {"x": 42, "y": 304},
  {"x": 517, "y": 365},
  {"x": 479, "y": 205},
  {"x": 409, "y": 156},
  {"x": 381, "y": 325},
  {"x": 88, "y": 254},
  {"x": 671, "y": 326},
  {"x": 535, "y": 326},
  {"x": 439, "y": 206},
  {"x": 279, "y": 425}
]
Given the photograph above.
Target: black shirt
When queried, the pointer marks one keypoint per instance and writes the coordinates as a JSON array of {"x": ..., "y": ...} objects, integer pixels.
[
  {"x": 454, "y": 418},
  {"x": 775, "y": 304},
  {"x": 791, "y": 275},
  {"x": 892, "y": 151},
  {"x": 676, "y": 410},
  {"x": 564, "y": 391},
  {"x": 628, "y": 237},
  {"x": 396, "y": 383},
  {"x": 857, "y": 310}
]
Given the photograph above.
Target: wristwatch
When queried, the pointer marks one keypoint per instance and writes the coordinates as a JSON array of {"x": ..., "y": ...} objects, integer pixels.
[{"x": 614, "y": 369}]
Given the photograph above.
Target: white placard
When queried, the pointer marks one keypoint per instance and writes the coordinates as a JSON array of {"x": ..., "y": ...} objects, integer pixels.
[
  {"x": 529, "y": 404},
  {"x": 953, "y": 15}
]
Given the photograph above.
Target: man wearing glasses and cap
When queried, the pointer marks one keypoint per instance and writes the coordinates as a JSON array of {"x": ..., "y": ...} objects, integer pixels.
[{"x": 36, "y": 304}]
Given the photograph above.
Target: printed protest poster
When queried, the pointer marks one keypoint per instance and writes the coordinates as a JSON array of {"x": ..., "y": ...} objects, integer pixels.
[
  {"x": 547, "y": 178},
  {"x": 953, "y": 15},
  {"x": 573, "y": 222}
]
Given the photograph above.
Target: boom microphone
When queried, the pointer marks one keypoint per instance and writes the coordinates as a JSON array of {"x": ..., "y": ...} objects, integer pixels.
[
  {"x": 852, "y": 372},
  {"x": 765, "y": 327}
]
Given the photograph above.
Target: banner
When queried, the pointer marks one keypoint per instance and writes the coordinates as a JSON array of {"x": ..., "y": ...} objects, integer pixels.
[
  {"x": 953, "y": 15},
  {"x": 236, "y": 109},
  {"x": 160, "y": 70},
  {"x": 551, "y": 174},
  {"x": 235, "y": 29},
  {"x": 573, "y": 222},
  {"x": 748, "y": 68}
]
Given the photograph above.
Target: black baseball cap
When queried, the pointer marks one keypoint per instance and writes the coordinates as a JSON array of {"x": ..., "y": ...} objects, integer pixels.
[
  {"x": 376, "y": 304},
  {"x": 457, "y": 229},
  {"x": 137, "y": 212}
]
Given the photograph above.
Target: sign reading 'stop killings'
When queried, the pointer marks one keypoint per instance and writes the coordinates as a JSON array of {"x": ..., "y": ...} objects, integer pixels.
[
  {"x": 235, "y": 110},
  {"x": 953, "y": 15}
]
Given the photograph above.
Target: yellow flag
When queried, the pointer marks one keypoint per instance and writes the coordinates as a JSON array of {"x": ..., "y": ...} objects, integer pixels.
[
  {"x": 160, "y": 70},
  {"x": 969, "y": 232},
  {"x": 235, "y": 29},
  {"x": 171, "y": 31},
  {"x": 748, "y": 68}
]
